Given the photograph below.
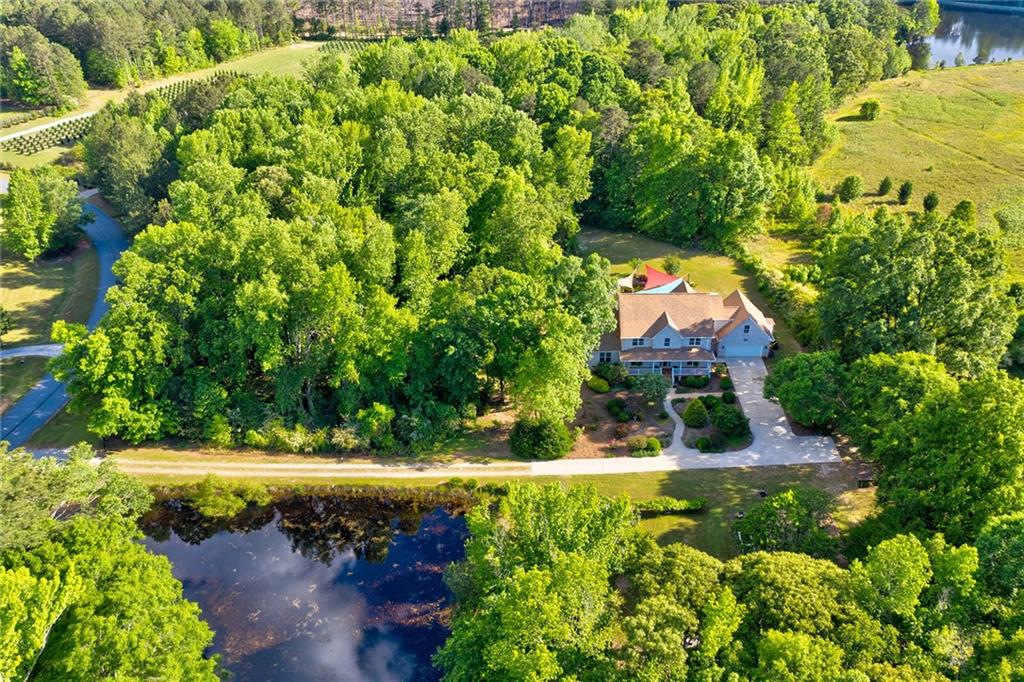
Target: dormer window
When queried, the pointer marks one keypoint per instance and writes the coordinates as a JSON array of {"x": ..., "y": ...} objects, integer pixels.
[
  {"x": 668, "y": 342},
  {"x": 693, "y": 341},
  {"x": 636, "y": 342}
]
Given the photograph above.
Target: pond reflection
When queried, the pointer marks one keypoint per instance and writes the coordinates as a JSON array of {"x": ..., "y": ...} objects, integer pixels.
[
  {"x": 980, "y": 36},
  {"x": 334, "y": 588}
]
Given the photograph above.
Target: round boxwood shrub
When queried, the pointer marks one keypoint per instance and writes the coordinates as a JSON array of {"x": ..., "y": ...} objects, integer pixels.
[
  {"x": 703, "y": 443},
  {"x": 695, "y": 415},
  {"x": 728, "y": 397},
  {"x": 710, "y": 402},
  {"x": 726, "y": 384},
  {"x": 654, "y": 445},
  {"x": 598, "y": 385},
  {"x": 540, "y": 439}
]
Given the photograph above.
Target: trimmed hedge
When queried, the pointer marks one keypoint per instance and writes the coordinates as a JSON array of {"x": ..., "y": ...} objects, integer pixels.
[
  {"x": 695, "y": 381},
  {"x": 728, "y": 397},
  {"x": 540, "y": 439},
  {"x": 726, "y": 383},
  {"x": 670, "y": 505},
  {"x": 598, "y": 385}
]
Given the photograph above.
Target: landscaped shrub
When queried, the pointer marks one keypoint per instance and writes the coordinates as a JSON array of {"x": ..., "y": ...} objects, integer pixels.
[
  {"x": 617, "y": 408},
  {"x": 663, "y": 415},
  {"x": 540, "y": 439},
  {"x": 612, "y": 372},
  {"x": 621, "y": 430},
  {"x": 696, "y": 381},
  {"x": 654, "y": 445},
  {"x": 710, "y": 402},
  {"x": 635, "y": 443},
  {"x": 931, "y": 201},
  {"x": 652, "y": 387},
  {"x": 728, "y": 397},
  {"x": 885, "y": 186},
  {"x": 730, "y": 421},
  {"x": 703, "y": 444},
  {"x": 598, "y": 385},
  {"x": 670, "y": 505},
  {"x": 696, "y": 415},
  {"x": 726, "y": 384}
]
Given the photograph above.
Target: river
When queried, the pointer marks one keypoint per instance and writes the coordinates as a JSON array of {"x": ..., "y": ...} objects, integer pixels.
[
  {"x": 334, "y": 588},
  {"x": 980, "y": 36}
]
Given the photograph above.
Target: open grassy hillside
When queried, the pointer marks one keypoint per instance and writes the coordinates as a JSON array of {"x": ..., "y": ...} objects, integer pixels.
[{"x": 958, "y": 132}]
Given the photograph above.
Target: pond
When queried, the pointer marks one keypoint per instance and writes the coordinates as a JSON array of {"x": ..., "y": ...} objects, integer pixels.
[
  {"x": 980, "y": 36},
  {"x": 336, "y": 587}
]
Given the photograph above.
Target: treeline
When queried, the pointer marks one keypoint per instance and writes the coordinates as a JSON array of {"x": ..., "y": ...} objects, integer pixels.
[
  {"x": 447, "y": 176},
  {"x": 436, "y": 17},
  {"x": 119, "y": 43},
  {"x": 337, "y": 263},
  {"x": 561, "y": 584}
]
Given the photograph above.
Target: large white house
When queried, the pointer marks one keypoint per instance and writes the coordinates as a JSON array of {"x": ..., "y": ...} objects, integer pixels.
[{"x": 670, "y": 328}]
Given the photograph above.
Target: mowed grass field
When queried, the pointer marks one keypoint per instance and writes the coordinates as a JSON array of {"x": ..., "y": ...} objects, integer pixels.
[
  {"x": 705, "y": 271},
  {"x": 958, "y": 132},
  {"x": 39, "y": 293}
]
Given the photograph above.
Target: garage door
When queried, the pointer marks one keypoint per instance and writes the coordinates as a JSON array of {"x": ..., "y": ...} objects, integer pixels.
[{"x": 740, "y": 350}]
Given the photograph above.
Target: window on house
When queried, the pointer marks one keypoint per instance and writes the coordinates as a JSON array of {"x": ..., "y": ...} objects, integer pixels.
[
  {"x": 605, "y": 356},
  {"x": 693, "y": 341},
  {"x": 746, "y": 329},
  {"x": 691, "y": 363},
  {"x": 638, "y": 342},
  {"x": 667, "y": 342}
]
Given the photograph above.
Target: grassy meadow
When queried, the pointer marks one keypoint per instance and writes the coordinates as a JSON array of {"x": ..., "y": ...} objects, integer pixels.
[{"x": 958, "y": 132}]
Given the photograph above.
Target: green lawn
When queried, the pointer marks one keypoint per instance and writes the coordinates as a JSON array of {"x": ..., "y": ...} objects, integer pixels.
[
  {"x": 64, "y": 430},
  {"x": 39, "y": 293},
  {"x": 958, "y": 132},
  {"x": 17, "y": 375},
  {"x": 706, "y": 271}
]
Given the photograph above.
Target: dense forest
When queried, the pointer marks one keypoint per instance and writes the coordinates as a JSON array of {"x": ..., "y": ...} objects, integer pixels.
[
  {"x": 422, "y": 199},
  {"x": 561, "y": 584},
  {"x": 49, "y": 45}
]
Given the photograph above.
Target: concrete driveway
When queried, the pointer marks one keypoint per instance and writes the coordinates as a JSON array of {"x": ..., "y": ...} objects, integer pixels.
[{"x": 774, "y": 442}]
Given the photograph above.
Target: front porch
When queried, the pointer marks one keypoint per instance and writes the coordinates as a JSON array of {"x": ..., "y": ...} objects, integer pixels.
[{"x": 670, "y": 368}]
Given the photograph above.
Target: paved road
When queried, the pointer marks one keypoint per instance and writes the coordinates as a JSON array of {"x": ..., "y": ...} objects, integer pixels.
[
  {"x": 45, "y": 350},
  {"x": 47, "y": 397}
]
